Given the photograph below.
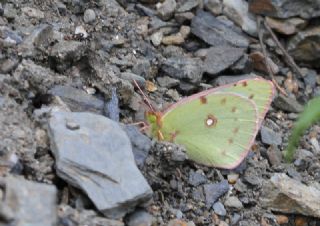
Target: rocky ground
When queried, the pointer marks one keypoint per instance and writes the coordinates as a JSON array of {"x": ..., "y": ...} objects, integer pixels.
[{"x": 69, "y": 152}]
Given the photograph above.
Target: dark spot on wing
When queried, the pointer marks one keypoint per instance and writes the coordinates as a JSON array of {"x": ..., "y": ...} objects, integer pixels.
[
  {"x": 223, "y": 101},
  {"x": 233, "y": 109},
  {"x": 235, "y": 130},
  {"x": 251, "y": 96},
  {"x": 203, "y": 100},
  {"x": 230, "y": 140},
  {"x": 244, "y": 84}
]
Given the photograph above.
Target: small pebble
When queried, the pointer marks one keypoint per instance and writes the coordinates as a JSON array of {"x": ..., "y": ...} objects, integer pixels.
[
  {"x": 219, "y": 209},
  {"x": 89, "y": 16},
  {"x": 82, "y": 31},
  {"x": 235, "y": 219},
  {"x": 282, "y": 219},
  {"x": 233, "y": 202},
  {"x": 197, "y": 178},
  {"x": 232, "y": 178},
  {"x": 177, "y": 222},
  {"x": 223, "y": 223},
  {"x": 156, "y": 38},
  {"x": 140, "y": 218},
  {"x": 300, "y": 221},
  {"x": 72, "y": 125}
]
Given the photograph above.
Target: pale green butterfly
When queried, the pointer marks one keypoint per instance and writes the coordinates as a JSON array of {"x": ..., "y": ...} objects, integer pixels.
[{"x": 217, "y": 126}]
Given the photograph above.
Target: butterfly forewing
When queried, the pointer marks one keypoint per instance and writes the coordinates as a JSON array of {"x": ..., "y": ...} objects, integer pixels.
[{"x": 216, "y": 128}]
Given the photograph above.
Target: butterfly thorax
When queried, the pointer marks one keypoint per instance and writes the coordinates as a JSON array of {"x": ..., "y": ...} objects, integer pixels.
[{"x": 155, "y": 124}]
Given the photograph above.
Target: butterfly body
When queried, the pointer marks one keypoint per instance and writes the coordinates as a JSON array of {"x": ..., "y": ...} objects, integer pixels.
[{"x": 217, "y": 126}]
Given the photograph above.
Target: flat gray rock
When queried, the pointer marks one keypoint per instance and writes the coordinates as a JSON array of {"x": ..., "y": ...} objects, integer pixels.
[
  {"x": 94, "y": 154},
  {"x": 28, "y": 203},
  {"x": 220, "y": 58},
  {"x": 287, "y": 104},
  {"x": 78, "y": 100},
  {"x": 183, "y": 68},
  {"x": 216, "y": 33},
  {"x": 270, "y": 137},
  {"x": 214, "y": 191},
  {"x": 233, "y": 202}
]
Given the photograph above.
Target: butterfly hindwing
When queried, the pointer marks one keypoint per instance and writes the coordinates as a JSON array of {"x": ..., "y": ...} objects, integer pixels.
[{"x": 260, "y": 91}]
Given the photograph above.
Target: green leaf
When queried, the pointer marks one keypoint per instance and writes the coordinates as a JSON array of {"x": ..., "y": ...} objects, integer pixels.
[{"x": 309, "y": 116}]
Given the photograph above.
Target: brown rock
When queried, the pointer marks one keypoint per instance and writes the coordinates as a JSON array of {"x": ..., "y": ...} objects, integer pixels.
[
  {"x": 291, "y": 83},
  {"x": 305, "y": 46},
  {"x": 288, "y": 26},
  {"x": 177, "y": 38},
  {"x": 300, "y": 221},
  {"x": 286, "y": 8},
  {"x": 282, "y": 219},
  {"x": 259, "y": 63},
  {"x": 176, "y": 222}
]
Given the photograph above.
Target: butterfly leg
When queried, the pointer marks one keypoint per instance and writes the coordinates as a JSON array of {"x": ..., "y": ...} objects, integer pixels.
[{"x": 142, "y": 126}]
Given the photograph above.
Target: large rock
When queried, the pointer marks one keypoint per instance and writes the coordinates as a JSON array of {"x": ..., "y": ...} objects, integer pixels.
[
  {"x": 39, "y": 38},
  {"x": 65, "y": 53},
  {"x": 27, "y": 203},
  {"x": 283, "y": 194},
  {"x": 305, "y": 46},
  {"x": 34, "y": 78},
  {"x": 286, "y": 8},
  {"x": 16, "y": 134},
  {"x": 94, "y": 154},
  {"x": 216, "y": 33}
]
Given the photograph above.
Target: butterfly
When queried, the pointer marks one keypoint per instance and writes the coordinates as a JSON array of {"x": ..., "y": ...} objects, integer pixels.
[{"x": 216, "y": 126}]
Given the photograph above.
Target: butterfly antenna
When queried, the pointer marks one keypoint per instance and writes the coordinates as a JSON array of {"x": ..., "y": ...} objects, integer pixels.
[{"x": 145, "y": 98}]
